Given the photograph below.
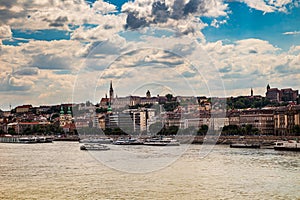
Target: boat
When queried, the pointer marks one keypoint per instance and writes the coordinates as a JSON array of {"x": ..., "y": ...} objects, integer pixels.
[
  {"x": 130, "y": 141},
  {"x": 244, "y": 145},
  {"x": 44, "y": 139},
  {"x": 94, "y": 147},
  {"x": 96, "y": 140},
  {"x": 290, "y": 145},
  {"x": 161, "y": 142},
  {"x": 28, "y": 140}
]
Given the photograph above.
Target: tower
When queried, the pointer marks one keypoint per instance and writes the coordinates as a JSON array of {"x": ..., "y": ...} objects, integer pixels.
[
  {"x": 148, "y": 95},
  {"x": 69, "y": 116},
  {"x": 268, "y": 87},
  {"x": 111, "y": 92},
  {"x": 62, "y": 119},
  {"x": 65, "y": 118},
  {"x": 251, "y": 92}
]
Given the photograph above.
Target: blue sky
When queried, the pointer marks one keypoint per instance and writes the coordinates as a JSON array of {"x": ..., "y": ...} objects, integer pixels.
[
  {"x": 245, "y": 22},
  {"x": 52, "y": 51}
]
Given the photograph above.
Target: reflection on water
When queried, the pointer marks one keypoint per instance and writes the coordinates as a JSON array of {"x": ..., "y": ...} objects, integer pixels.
[{"x": 61, "y": 171}]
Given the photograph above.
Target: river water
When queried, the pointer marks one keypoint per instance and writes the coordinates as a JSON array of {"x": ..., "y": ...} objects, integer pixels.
[{"x": 59, "y": 170}]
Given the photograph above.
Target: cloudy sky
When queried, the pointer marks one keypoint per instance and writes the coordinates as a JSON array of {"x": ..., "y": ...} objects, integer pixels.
[{"x": 60, "y": 51}]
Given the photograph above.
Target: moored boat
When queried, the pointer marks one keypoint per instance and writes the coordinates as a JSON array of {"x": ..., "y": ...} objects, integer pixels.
[
  {"x": 94, "y": 147},
  {"x": 161, "y": 142},
  {"x": 130, "y": 141},
  {"x": 290, "y": 145},
  {"x": 244, "y": 145},
  {"x": 28, "y": 140},
  {"x": 96, "y": 140},
  {"x": 44, "y": 139}
]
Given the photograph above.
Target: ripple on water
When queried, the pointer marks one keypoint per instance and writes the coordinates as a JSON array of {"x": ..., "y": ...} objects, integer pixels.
[{"x": 62, "y": 171}]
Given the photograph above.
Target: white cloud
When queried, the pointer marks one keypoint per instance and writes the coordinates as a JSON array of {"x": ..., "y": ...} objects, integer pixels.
[
  {"x": 179, "y": 15},
  {"x": 253, "y": 63},
  {"x": 270, "y": 5},
  {"x": 10, "y": 83},
  {"x": 52, "y": 14},
  {"x": 294, "y": 50},
  {"x": 103, "y": 7},
  {"x": 260, "y": 5},
  {"x": 109, "y": 27},
  {"x": 291, "y": 33},
  {"x": 215, "y": 23},
  {"x": 5, "y": 32}
]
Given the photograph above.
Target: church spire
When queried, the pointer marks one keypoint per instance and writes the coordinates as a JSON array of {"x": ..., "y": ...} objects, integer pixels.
[{"x": 111, "y": 92}]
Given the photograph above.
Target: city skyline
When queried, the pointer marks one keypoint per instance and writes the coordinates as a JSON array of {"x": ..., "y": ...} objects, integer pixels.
[
  {"x": 56, "y": 52},
  {"x": 107, "y": 97}
]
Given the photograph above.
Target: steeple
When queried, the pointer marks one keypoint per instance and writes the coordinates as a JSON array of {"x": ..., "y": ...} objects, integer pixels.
[
  {"x": 69, "y": 111},
  {"x": 62, "y": 112},
  {"x": 251, "y": 92},
  {"x": 111, "y": 91},
  {"x": 268, "y": 87}
]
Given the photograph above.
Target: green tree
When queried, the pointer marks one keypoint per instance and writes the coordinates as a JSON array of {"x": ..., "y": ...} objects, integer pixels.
[
  {"x": 231, "y": 130},
  {"x": 170, "y": 106},
  {"x": 169, "y": 97},
  {"x": 11, "y": 131}
]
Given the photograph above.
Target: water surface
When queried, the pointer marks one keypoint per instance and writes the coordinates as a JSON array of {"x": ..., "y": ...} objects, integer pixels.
[{"x": 61, "y": 171}]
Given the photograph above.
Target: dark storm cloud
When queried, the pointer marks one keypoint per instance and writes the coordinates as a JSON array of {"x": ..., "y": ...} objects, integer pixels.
[
  {"x": 161, "y": 13},
  {"x": 59, "y": 22},
  {"x": 178, "y": 7},
  {"x": 194, "y": 6},
  {"x": 133, "y": 22}
]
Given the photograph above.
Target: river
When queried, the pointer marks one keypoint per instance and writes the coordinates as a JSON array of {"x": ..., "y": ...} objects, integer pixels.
[{"x": 60, "y": 170}]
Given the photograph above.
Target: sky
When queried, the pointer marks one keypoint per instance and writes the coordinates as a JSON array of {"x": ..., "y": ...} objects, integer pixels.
[{"x": 56, "y": 51}]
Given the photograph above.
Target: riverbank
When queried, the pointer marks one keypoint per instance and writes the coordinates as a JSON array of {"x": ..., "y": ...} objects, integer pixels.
[
  {"x": 267, "y": 140},
  {"x": 247, "y": 139}
]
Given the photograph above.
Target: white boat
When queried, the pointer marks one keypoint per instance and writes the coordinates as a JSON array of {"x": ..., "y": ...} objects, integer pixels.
[
  {"x": 44, "y": 139},
  {"x": 94, "y": 147},
  {"x": 28, "y": 140},
  {"x": 291, "y": 145},
  {"x": 161, "y": 142},
  {"x": 96, "y": 140},
  {"x": 130, "y": 141}
]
